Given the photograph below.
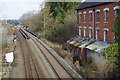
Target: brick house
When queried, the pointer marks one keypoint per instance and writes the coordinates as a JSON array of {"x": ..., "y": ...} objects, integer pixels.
[{"x": 96, "y": 20}]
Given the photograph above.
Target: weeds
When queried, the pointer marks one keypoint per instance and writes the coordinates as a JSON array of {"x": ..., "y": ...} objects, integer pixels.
[
  {"x": 4, "y": 44},
  {"x": 94, "y": 49}
]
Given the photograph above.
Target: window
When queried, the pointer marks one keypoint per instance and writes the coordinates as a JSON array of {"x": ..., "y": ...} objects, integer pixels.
[
  {"x": 114, "y": 36},
  {"x": 80, "y": 17},
  {"x": 90, "y": 19},
  {"x": 105, "y": 34},
  {"x": 116, "y": 14},
  {"x": 90, "y": 32},
  {"x": 84, "y": 16},
  {"x": 84, "y": 31},
  {"x": 97, "y": 15},
  {"x": 116, "y": 8},
  {"x": 97, "y": 33},
  {"x": 80, "y": 30},
  {"x": 106, "y": 15}
]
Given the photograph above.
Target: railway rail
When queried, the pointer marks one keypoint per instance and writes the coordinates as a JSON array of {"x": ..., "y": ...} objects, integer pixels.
[
  {"x": 31, "y": 32},
  {"x": 24, "y": 34},
  {"x": 27, "y": 56},
  {"x": 60, "y": 70}
]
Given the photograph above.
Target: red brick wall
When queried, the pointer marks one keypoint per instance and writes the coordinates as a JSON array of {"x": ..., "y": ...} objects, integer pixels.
[{"x": 101, "y": 24}]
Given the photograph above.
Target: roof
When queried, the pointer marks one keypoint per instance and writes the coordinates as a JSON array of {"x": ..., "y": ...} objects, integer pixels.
[
  {"x": 99, "y": 46},
  {"x": 89, "y": 4}
]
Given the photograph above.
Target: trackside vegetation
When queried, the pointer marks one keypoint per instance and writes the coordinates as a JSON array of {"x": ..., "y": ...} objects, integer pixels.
[
  {"x": 112, "y": 53},
  {"x": 56, "y": 21}
]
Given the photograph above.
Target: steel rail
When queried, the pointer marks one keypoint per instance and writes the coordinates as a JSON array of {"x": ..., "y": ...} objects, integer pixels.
[
  {"x": 30, "y": 73},
  {"x": 51, "y": 54},
  {"x": 55, "y": 59},
  {"x": 47, "y": 59},
  {"x": 23, "y": 55},
  {"x": 31, "y": 58}
]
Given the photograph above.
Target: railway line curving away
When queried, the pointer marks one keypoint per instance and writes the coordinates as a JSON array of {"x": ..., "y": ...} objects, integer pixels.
[
  {"x": 34, "y": 68},
  {"x": 39, "y": 62}
]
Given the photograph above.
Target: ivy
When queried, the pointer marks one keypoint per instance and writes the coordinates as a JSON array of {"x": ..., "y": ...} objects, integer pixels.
[
  {"x": 111, "y": 53},
  {"x": 117, "y": 36}
]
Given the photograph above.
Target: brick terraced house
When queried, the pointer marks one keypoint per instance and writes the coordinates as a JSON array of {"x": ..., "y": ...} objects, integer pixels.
[
  {"x": 96, "y": 20},
  {"x": 95, "y": 29}
]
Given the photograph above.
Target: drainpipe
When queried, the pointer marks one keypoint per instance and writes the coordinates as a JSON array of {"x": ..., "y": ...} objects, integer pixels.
[
  {"x": 77, "y": 22},
  {"x": 93, "y": 22}
]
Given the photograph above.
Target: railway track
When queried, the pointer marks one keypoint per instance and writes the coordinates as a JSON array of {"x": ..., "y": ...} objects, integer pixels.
[
  {"x": 59, "y": 69},
  {"x": 30, "y": 71}
]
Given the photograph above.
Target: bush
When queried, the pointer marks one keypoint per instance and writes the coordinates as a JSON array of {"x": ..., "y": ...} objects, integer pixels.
[
  {"x": 61, "y": 32},
  {"x": 117, "y": 33},
  {"x": 111, "y": 53}
]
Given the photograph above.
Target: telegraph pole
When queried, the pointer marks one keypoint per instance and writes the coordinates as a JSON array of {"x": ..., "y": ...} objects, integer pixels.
[{"x": 44, "y": 25}]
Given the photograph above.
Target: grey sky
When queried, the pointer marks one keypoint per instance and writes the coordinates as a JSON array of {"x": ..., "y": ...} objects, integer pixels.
[{"x": 13, "y": 9}]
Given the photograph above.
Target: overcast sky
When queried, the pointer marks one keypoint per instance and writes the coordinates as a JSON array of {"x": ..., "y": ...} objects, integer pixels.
[{"x": 13, "y": 9}]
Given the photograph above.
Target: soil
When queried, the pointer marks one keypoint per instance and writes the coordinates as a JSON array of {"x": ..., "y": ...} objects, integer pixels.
[
  {"x": 5, "y": 50},
  {"x": 18, "y": 70},
  {"x": 57, "y": 47}
]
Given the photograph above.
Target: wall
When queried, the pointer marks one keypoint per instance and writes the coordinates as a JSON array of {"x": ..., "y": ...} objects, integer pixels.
[{"x": 101, "y": 24}]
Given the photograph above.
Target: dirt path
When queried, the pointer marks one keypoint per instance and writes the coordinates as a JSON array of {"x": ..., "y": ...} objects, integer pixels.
[{"x": 18, "y": 70}]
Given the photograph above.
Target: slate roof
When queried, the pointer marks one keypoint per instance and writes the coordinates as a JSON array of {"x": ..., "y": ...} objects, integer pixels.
[{"x": 89, "y": 4}]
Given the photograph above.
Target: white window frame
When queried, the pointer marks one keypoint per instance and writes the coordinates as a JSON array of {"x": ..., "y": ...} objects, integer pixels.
[
  {"x": 80, "y": 17},
  {"x": 98, "y": 11},
  {"x": 80, "y": 31},
  {"x": 90, "y": 11},
  {"x": 90, "y": 32},
  {"x": 105, "y": 35},
  {"x": 115, "y": 9},
  {"x": 84, "y": 16},
  {"x": 84, "y": 31},
  {"x": 114, "y": 36},
  {"x": 97, "y": 33},
  {"x": 90, "y": 18},
  {"x": 106, "y": 16},
  {"x": 116, "y": 14}
]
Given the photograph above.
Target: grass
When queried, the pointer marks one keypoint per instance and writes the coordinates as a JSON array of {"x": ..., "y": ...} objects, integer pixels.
[
  {"x": 90, "y": 43},
  {"x": 94, "y": 49},
  {"x": 4, "y": 44},
  {"x": 80, "y": 44},
  {"x": 90, "y": 60},
  {"x": 66, "y": 54},
  {"x": 10, "y": 31},
  {"x": 87, "y": 71}
]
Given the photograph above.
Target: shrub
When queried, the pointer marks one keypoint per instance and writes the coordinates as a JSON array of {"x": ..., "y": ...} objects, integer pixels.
[
  {"x": 61, "y": 32},
  {"x": 111, "y": 53}
]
